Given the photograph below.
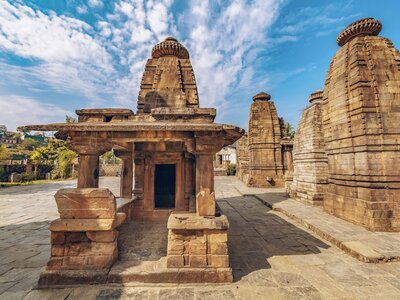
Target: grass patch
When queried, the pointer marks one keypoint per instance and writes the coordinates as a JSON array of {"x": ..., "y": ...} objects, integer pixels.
[{"x": 10, "y": 184}]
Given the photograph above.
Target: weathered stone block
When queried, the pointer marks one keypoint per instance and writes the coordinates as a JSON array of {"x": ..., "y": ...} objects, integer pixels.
[
  {"x": 57, "y": 250},
  {"x": 175, "y": 261},
  {"x": 102, "y": 236},
  {"x": 86, "y": 203},
  {"x": 217, "y": 236},
  {"x": 218, "y": 261},
  {"x": 57, "y": 238},
  {"x": 217, "y": 248},
  {"x": 175, "y": 248},
  {"x": 197, "y": 261},
  {"x": 75, "y": 237},
  {"x": 197, "y": 248}
]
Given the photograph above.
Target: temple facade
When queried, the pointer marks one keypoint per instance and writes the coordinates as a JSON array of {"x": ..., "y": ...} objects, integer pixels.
[
  {"x": 167, "y": 150},
  {"x": 361, "y": 117},
  {"x": 310, "y": 175},
  {"x": 261, "y": 155}
]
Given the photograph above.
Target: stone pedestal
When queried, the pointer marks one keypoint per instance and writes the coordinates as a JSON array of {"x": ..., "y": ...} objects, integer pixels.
[
  {"x": 84, "y": 238},
  {"x": 199, "y": 243}
]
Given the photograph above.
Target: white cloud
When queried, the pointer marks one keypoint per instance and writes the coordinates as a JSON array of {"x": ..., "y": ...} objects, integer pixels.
[
  {"x": 220, "y": 38},
  {"x": 82, "y": 9},
  {"x": 107, "y": 61},
  {"x": 95, "y": 3},
  {"x": 18, "y": 110}
]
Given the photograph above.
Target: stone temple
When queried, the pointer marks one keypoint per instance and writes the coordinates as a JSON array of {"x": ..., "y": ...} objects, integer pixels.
[
  {"x": 310, "y": 175},
  {"x": 360, "y": 115},
  {"x": 167, "y": 148},
  {"x": 261, "y": 158}
]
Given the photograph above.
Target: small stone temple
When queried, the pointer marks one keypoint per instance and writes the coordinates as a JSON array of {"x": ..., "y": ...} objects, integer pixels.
[
  {"x": 361, "y": 117},
  {"x": 262, "y": 161},
  {"x": 310, "y": 175},
  {"x": 167, "y": 149}
]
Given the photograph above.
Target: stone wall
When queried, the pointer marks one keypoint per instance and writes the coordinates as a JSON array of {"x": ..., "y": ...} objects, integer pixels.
[
  {"x": 361, "y": 117},
  {"x": 310, "y": 176}
]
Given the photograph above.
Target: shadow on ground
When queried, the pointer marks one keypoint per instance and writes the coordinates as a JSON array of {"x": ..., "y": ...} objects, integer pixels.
[{"x": 255, "y": 235}]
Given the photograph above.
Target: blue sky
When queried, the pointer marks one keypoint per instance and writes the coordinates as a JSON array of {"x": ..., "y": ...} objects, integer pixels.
[{"x": 60, "y": 55}]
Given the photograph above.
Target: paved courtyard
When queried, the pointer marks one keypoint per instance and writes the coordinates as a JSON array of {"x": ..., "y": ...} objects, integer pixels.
[{"x": 272, "y": 256}]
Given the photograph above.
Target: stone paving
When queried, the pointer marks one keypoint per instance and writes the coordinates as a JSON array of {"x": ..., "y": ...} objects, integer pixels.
[
  {"x": 355, "y": 240},
  {"x": 272, "y": 256}
]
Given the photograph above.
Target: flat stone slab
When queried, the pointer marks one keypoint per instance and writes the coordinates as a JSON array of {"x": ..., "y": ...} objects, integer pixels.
[
  {"x": 191, "y": 221},
  {"x": 157, "y": 272},
  {"x": 87, "y": 224},
  {"x": 366, "y": 246}
]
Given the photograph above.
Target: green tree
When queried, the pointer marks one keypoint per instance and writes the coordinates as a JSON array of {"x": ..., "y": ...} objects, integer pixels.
[
  {"x": 30, "y": 144},
  {"x": 57, "y": 154},
  {"x": 109, "y": 158},
  {"x": 69, "y": 119},
  {"x": 289, "y": 130},
  {"x": 5, "y": 153}
]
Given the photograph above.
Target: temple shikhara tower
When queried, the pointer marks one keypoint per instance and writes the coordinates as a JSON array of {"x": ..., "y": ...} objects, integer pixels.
[
  {"x": 261, "y": 156},
  {"x": 310, "y": 175},
  {"x": 361, "y": 117},
  {"x": 167, "y": 147}
]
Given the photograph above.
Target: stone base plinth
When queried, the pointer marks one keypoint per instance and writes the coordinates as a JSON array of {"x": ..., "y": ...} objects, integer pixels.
[
  {"x": 54, "y": 278},
  {"x": 374, "y": 215},
  {"x": 198, "y": 244},
  {"x": 157, "y": 272}
]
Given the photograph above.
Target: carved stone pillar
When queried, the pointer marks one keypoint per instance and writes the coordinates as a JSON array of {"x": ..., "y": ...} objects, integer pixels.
[
  {"x": 89, "y": 150},
  {"x": 126, "y": 186},
  {"x": 205, "y": 197},
  {"x": 88, "y": 172}
]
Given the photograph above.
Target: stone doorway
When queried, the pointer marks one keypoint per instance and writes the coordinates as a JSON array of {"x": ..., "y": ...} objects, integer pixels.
[{"x": 164, "y": 186}]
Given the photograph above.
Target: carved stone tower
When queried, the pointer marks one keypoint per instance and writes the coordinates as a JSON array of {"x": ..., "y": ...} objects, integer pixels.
[
  {"x": 265, "y": 151},
  {"x": 361, "y": 117},
  {"x": 168, "y": 79},
  {"x": 309, "y": 157}
]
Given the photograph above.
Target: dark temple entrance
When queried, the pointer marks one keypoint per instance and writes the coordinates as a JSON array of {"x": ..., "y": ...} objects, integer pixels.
[{"x": 164, "y": 186}]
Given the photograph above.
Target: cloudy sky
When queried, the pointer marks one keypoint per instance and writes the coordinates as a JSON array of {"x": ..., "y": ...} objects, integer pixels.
[{"x": 60, "y": 55}]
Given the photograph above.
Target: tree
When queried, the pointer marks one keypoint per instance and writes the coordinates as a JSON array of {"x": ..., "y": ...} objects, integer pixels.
[
  {"x": 109, "y": 158},
  {"x": 30, "y": 144},
  {"x": 57, "y": 154},
  {"x": 69, "y": 119},
  {"x": 289, "y": 130},
  {"x": 5, "y": 153}
]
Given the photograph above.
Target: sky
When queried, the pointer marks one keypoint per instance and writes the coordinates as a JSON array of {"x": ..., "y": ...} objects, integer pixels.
[{"x": 57, "y": 56}]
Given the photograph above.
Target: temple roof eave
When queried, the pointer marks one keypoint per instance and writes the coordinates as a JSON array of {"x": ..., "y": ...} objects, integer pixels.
[{"x": 127, "y": 126}]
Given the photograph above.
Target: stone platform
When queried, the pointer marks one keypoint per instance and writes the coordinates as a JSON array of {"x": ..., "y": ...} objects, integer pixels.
[
  {"x": 271, "y": 255},
  {"x": 366, "y": 246}
]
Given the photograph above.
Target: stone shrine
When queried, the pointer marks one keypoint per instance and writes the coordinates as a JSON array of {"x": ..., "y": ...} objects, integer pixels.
[
  {"x": 260, "y": 156},
  {"x": 310, "y": 176},
  {"x": 361, "y": 117},
  {"x": 167, "y": 149}
]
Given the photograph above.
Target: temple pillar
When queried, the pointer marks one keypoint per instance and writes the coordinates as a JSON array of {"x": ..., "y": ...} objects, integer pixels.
[
  {"x": 126, "y": 186},
  {"x": 88, "y": 172},
  {"x": 205, "y": 196}
]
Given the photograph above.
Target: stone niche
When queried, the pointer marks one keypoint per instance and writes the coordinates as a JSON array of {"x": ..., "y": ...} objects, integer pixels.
[
  {"x": 361, "y": 118},
  {"x": 310, "y": 175}
]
